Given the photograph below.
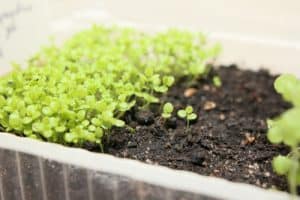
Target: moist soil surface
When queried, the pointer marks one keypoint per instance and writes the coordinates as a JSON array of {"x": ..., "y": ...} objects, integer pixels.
[{"x": 227, "y": 140}]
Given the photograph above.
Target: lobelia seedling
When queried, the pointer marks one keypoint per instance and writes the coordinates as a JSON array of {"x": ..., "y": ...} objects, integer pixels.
[
  {"x": 286, "y": 129},
  {"x": 187, "y": 114},
  {"x": 167, "y": 110}
]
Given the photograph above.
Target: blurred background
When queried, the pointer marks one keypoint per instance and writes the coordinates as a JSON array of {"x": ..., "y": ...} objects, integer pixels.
[{"x": 253, "y": 33}]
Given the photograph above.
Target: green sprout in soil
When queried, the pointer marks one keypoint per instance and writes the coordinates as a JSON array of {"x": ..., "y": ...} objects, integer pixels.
[
  {"x": 217, "y": 81},
  {"x": 286, "y": 129},
  {"x": 78, "y": 92},
  {"x": 167, "y": 110},
  {"x": 187, "y": 114}
]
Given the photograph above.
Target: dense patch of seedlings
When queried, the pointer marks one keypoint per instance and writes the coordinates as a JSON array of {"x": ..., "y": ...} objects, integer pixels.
[
  {"x": 286, "y": 129},
  {"x": 76, "y": 93}
]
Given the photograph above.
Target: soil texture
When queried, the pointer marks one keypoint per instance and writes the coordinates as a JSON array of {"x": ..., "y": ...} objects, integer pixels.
[{"x": 228, "y": 138}]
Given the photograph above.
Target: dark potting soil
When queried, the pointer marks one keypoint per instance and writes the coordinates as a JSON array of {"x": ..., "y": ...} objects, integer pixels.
[{"x": 228, "y": 139}]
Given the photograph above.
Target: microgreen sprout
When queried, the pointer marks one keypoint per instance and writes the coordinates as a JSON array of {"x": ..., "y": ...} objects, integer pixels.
[
  {"x": 217, "y": 81},
  {"x": 286, "y": 129},
  {"x": 167, "y": 110},
  {"x": 187, "y": 114}
]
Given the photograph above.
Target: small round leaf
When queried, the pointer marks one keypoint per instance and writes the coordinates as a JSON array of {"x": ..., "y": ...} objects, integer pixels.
[
  {"x": 275, "y": 135},
  {"x": 189, "y": 109},
  {"x": 168, "y": 108},
  {"x": 192, "y": 116},
  {"x": 181, "y": 113},
  {"x": 282, "y": 164},
  {"x": 166, "y": 115}
]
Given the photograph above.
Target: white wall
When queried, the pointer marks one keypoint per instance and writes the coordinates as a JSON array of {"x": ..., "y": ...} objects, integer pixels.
[
  {"x": 253, "y": 32},
  {"x": 269, "y": 19},
  {"x": 23, "y": 27}
]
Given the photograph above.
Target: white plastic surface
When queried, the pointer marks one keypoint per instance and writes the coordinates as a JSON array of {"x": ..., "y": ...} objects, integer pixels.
[{"x": 157, "y": 175}]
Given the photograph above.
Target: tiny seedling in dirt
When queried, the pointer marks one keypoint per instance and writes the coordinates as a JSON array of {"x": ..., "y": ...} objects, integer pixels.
[
  {"x": 217, "y": 81},
  {"x": 167, "y": 110},
  {"x": 187, "y": 114}
]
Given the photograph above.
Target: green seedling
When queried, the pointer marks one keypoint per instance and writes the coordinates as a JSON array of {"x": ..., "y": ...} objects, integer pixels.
[
  {"x": 187, "y": 114},
  {"x": 286, "y": 129},
  {"x": 217, "y": 81},
  {"x": 167, "y": 110}
]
